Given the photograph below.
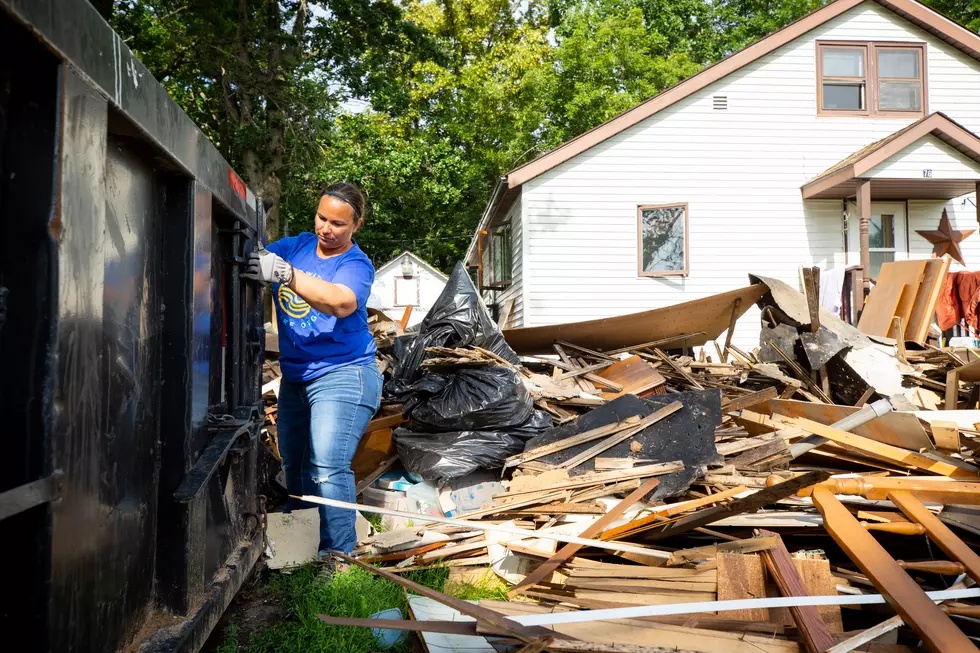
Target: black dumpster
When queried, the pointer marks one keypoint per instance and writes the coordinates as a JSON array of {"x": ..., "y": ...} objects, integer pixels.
[{"x": 130, "y": 349}]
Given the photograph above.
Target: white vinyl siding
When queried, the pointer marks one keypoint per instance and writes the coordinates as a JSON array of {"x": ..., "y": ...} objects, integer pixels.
[
  {"x": 931, "y": 154},
  {"x": 516, "y": 289},
  {"x": 740, "y": 173}
]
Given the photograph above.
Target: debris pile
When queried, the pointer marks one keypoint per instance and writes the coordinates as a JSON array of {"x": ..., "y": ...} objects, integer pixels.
[{"x": 684, "y": 494}]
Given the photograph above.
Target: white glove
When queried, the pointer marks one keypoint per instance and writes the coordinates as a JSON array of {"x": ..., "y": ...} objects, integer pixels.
[{"x": 267, "y": 267}]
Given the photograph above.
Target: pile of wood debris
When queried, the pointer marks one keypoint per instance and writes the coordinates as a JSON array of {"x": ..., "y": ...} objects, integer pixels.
[{"x": 804, "y": 496}]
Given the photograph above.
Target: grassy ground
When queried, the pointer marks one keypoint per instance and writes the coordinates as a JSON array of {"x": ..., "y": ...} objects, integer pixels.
[{"x": 306, "y": 592}]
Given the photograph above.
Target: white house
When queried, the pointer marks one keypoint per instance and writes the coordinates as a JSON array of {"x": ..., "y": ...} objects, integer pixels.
[
  {"x": 404, "y": 281},
  {"x": 863, "y": 111}
]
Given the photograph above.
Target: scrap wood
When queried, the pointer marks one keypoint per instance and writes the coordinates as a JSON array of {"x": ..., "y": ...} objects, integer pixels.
[
  {"x": 626, "y": 434},
  {"x": 575, "y": 440},
  {"x": 524, "y": 633},
  {"x": 482, "y": 526},
  {"x": 816, "y": 635},
  {"x": 640, "y": 524},
  {"x": 748, "y": 545},
  {"x": 750, "y": 503},
  {"x": 591, "y": 531},
  {"x": 879, "y": 450},
  {"x": 559, "y": 480},
  {"x": 449, "y": 627}
]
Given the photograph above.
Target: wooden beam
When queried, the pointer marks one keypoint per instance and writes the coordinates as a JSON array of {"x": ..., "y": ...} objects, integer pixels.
[
  {"x": 938, "y": 532},
  {"x": 814, "y": 632},
  {"x": 613, "y": 440},
  {"x": 406, "y": 316},
  {"x": 567, "y": 551},
  {"x": 864, "y": 223},
  {"x": 575, "y": 440},
  {"x": 922, "y": 615},
  {"x": 731, "y": 328}
]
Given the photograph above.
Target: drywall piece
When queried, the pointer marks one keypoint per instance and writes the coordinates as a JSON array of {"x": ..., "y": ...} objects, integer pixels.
[
  {"x": 425, "y": 609},
  {"x": 294, "y": 537}
]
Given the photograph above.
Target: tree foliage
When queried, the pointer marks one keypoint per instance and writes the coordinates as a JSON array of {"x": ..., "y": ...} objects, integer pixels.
[{"x": 457, "y": 91}]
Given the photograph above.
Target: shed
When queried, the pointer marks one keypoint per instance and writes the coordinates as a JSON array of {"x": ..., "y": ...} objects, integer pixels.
[{"x": 404, "y": 281}]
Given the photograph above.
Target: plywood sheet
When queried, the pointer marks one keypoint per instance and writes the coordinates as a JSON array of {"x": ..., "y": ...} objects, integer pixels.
[
  {"x": 634, "y": 375},
  {"x": 709, "y": 315},
  {"x": 882, "y": 304},
  {"x": 742, "y": 576},
  {"x": 926, "y": 299},
  {"x": 894, "y": 428}
]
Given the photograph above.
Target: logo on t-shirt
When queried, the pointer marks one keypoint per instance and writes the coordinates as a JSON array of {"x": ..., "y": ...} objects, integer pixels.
[{"x": 292, "y": 304}]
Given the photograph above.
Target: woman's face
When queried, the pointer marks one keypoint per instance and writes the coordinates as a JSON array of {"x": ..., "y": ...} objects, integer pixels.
[{"x": 335, "y": 224}]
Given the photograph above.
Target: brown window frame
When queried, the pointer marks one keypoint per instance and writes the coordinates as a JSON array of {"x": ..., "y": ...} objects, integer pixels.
[
  {"x": 686, "y": 271},
  {"x": 871, "y": 79}
]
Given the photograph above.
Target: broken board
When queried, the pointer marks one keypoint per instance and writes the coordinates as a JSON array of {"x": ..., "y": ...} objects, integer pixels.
[
  {"x": 894, "y": 428},
  {"x": 709, "y": 316},
  {"x": 687, "y": 435},
  {"x": 926, "y": 299},
  {"x": 881, "y": 307},
  {"x": 910, "y": 274},
  {"x": 634, "y": 375}
]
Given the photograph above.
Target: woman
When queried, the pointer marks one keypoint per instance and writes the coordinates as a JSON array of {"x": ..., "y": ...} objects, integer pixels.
[{"x": 331, "y": 386}]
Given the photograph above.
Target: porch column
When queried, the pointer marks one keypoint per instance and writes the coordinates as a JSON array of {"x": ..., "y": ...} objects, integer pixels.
[{"x": 864, "y": 215}]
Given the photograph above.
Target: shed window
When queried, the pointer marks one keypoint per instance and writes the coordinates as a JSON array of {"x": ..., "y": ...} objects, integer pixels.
[
  {"x": 662, "y": 231},
  {"x": 871, "y": 79}
]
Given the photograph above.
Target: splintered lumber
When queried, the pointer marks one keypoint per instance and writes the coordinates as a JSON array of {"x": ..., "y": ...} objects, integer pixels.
[
  {"x": 634, "y": 375},
  {"x": 742, "y": 577},
  {"x": 554, "y": 483},
  {"x": 495, "y": 619},
  {"x": 946, "y": 435},
  {"x": 661, "y": 512},
  {"x": 366, "y": 482},
  {"x": 674, "y": 366},
  {"x": 866, "y": 636},
  {"x": 917, "y": 610},
  {"x": 747, "y": 401},
  {"x": 880, "y": 450},
  {"x": 748, "y": 545},
  {"x": 448, "y": 627},
  {"x": 575, "y": 440},
  {"x": 481, "y": 526},
  {"x": 613, "y": 440},
  {"x": 816, "y": 635},
  {"x": 750, "y": 503},
  {"x": 569, "y": 550}
]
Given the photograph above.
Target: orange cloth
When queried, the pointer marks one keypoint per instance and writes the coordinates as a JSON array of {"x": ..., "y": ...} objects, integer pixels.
[{"x": 958, "y": 301}]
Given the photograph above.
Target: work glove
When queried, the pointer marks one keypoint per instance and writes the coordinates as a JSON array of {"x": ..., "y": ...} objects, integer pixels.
[{"x": 266, "y": 267}]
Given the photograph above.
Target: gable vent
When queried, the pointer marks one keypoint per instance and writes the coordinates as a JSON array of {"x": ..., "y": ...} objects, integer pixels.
[{"x": 720, "y": 102}]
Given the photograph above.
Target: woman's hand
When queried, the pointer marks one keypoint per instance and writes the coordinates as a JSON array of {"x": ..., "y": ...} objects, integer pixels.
[{"x": 266, "y": 267}]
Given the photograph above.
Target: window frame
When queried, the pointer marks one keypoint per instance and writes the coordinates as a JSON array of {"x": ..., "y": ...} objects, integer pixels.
[
  {"x": 686, "y": 270},
  {"x": 501, "y": 235},
  {"x": 872, "y": 80},
  {"x": 417, "y": 292}
]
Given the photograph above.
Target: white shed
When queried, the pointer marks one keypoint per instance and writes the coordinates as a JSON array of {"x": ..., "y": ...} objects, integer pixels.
[{"x": 404, "y": 281}]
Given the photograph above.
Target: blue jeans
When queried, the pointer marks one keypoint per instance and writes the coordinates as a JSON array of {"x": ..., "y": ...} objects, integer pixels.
[{"x": 320, "y": 423}]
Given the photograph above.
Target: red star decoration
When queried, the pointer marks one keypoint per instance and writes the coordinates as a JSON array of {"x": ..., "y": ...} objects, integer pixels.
[{"x": 946, "y": 240}]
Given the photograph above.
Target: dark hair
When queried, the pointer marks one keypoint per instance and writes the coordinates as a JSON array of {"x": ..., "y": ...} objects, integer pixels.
[{"x": 349, "y": 194}]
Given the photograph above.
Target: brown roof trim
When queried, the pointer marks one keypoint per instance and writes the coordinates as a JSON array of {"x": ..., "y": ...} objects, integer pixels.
[
  {"x": 924, "y": 17},
  {"x": 862, "y": 161}
]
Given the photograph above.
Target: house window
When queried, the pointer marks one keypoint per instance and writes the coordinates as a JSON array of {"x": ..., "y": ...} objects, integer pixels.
[
  {"x": 881, "y": 241},
  {"x": 407, "y": 291},
  {"x": 662, "y": 232},
  {"x": 871, "y": 79},
  {"x": 498, "y": 258}
]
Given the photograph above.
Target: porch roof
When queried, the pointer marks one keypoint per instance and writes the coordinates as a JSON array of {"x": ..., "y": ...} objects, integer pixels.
[{"x": 840, "y": 181}]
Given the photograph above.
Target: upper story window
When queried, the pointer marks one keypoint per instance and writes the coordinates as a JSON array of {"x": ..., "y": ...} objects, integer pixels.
[{"x": 871, "y": 79}]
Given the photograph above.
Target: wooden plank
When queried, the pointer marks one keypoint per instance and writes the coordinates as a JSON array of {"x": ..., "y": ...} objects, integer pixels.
[
  {"x": 938, "y": 532},
  {"x": 868, "y": 635},
  {"x": 820, "y": 581},
  {"x": 946, "y": 436},
  {"x": 650, "y": 521},
  {"x": 876, "y": 320},
  {"x": 374, "y": 449},
  {"x": 448, "y": 627},
  {"x": 747, "y": 401},
  {"x": 747, "y": 545},
  {"x": 595, "y": 478},
  {"x": 909, "y": 274},
  {"x": 613, "y": 440},
  {"x": 883, "y": 451},
  {"x": 816, "y": 636},
  {"x": 634, "y": 375},
  {"x": 894, "y": 428},
  {"x": 709, "y": 316},
  {"x": 575, "y": 440},
  {"x": 742, "y": 577},
  {"x": 567, "y": 551},
  {"x": 495, "y": 619},
  {"x": 366, "y": 482},
  {"x": 926, "y": 299}
]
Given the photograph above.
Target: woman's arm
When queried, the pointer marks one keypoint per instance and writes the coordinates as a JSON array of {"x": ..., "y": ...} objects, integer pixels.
[{"x": 330, "y": 298}]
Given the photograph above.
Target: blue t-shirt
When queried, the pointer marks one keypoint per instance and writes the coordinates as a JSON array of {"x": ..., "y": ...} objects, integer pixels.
[{"x": 312, "y": 343}]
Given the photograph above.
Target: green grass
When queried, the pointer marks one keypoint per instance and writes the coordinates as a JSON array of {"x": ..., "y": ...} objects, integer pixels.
[{"x": 305, "y": 593}]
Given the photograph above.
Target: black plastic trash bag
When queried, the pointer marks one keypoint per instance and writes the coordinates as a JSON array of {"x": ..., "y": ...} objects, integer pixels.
[
  {"x": 484, "y": 398},
  {"x": 442, "y": 457},
  {"x": 457, "y": 319}
]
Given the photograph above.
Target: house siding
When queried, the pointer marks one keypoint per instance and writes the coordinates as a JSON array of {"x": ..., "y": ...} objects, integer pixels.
[
  {"x": 516, "y": 290},
  {"x": 930, "y": 153},
  {"x": 740, "y": 172}
]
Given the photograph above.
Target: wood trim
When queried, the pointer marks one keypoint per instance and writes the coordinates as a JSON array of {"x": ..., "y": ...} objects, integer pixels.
[
  {"x": 865, "y": 46},
  {"x": 687, "y": 240}
]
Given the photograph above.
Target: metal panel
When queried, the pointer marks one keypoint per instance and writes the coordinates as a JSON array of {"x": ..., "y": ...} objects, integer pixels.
[{"x": 76, "y": 30}]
